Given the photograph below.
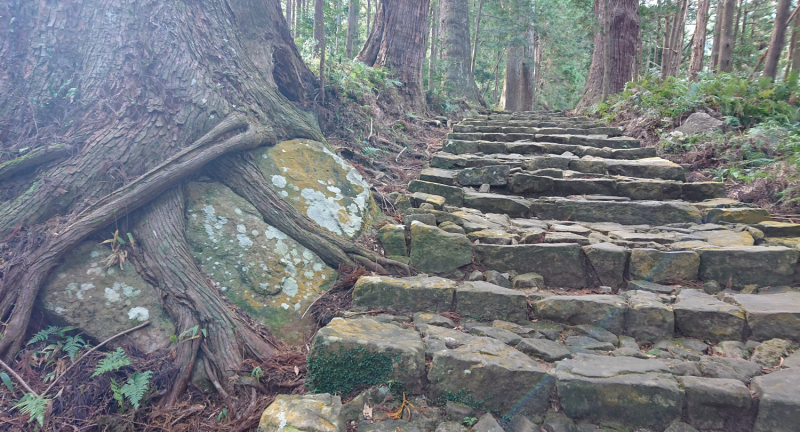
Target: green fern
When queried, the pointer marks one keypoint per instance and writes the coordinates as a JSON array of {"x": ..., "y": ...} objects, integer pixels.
[
  {"x": 136, "y": 386},
  {"x": 116, "y": 390},
  {"x": 113, "y": 361},
  {"x": 73, "y": 345},
  {"x": 34, "y": 406}
]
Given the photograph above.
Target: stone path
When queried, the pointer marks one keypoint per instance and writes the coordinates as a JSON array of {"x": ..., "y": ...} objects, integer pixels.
[{"x": 591, "y": 284}]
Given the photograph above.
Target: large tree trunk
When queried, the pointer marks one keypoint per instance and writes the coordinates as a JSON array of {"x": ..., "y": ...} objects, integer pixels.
[
  {"x": 397, "y": 41},
  {"x": 699, "y": 46},
  {"x": 717, "y": 34},
  {"x": 666, "y": 50},
  {"x": 678, "y": 33},
  {"x": 726, "y": 36},
  {"x": 152, "y": 92},
  {"x": 624, "y": 34},
  {"x": 512, "y": 98},
  {"x": 795, "y": 47},
  {"x": 434, "y": 39},
  {"x": 776, "y": 41},
  {"x": 459, "y": 81}
]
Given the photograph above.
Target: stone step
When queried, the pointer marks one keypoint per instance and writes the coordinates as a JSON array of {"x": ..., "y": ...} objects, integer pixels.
[
  {"x": 555, "y": 122},
  {"x": 600, "y": 141},
  {"x": 462, "y": 147},
  {"x": 504, "y": 129}
]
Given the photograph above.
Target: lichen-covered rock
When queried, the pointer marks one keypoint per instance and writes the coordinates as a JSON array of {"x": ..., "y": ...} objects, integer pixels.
[
  {"x": 306, "y": 413},
  {"x": 654, "y": 265},
  {"x": 494, "y": 175},
  {"x": 485, "y": 301},
  {"x": 493, "y": 374},
  {"x": 737, "y": 215},
  {"x": 560, "y": 264},
  {"x": 102, "y": 302},
  {"x": 702, "y": 316},
  {"x": 608, "y": 261},
  {"x": 411, "y": 294},
  {"x": 779, "y": 401},
  {"x": 770, "y": 353},
  {"x": 320, "y": 184},
  {"x": 393, "y": 240},
  {"x": 700, "y": 123},
  {"x": 740, "y": 266},
  {"x": 606, "y": 311},
  {"x": 436, "y": 251},
  {"x": 255, "y": 265},
  {"x": 544, "y": 349},
  {"x": 384, "y": 349},
  {"x": 631, "y": 391},
  {"x": 779, "y": 229}
]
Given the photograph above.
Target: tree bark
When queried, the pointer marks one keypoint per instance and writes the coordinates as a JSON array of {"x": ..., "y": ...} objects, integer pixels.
[
  {"x": 459, "y": 81},
  {"x": 699, "y": 46},
  {"x": 511, "y": 99},
  {"x": 777, "y": 38},
  {"x": 397, "y": 41},
  {"x": 607, "y": 22},
  {"x": 161, "y": 91},
  {"x": 319, "y": 36},
  {"x": 795, "y": 63},
  {"x": 726, "y": 36},
  {"x": 624, "y": 33},
  {"x": 352, "y": 26},
  {"x": 678, "y": 33},
  {"x": 666, "y": 50},
  {"x": 717, "y": 34},
  {"x": 477, "y": 36},
  {"x": 434, "y": 37}
]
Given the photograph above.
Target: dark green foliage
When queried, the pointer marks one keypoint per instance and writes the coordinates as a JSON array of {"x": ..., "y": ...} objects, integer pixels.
[
  {"x": 462, "y": 397},
  {"x": 343, "y": 371}
]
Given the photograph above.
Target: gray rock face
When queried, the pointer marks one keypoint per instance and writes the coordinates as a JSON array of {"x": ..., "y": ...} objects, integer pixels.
[
  {"x": 723, "y": 367},
  {"x": 608, "y": 261},
  {"x": 494, "y": 175},
  {"x": 485, "y": 301},
  {"x": 433, "y": 319},
  {"x": 605, "y": 311},
  {"x": 700, "y": 123},
  {"x": 404, "y": 345},
  {"x": 505, "y": 336},
  {"x": 634, "y": 392},
  {"x": 648, "y": 318},
  {"x": 770, "y": 353},
  {"x": 436, "y": 251},
  {"x": 494, "y": 203},
  {"x": 493, "y": 373},
  {"x": 307, "y": 413},
  {"x": 753, "y": 265},
  {"x": 772, "y": 315},
  {"x": 558, "y": 422},
  {"x": 779, "y": 406},
  {"x": 627, "y": 213},
  {"x": 412, "y": 294},
  {"x": 453, "y": 195},
  {"x": 651, "y": 287},
  {"x": 713, "y": 402},
  {"x": 654, "y": 265},
  {"x": 487, "y": 423},
  {"x": 560, "y": 264},
  {"x": 102, "y": 301},
  {"x": 544, "y": 349},
  {"x": 702, "y": 316}
]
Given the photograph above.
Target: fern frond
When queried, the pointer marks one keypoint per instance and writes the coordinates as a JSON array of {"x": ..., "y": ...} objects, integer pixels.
[
  {"x": 136, "y": 386},
  {"x": 73, "y": 345},
  {"x": 43, "y": 335},
  {"x": 113, "y": 361},
  {"x": 34, "y": 406},
  {"x": 115, "y": 389}
]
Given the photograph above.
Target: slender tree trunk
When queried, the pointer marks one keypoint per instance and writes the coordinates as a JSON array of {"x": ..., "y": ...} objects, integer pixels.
[
  {"x": 607, "y": 22},
  {"x": 699, "y": 47},
  {"x": 352, "y": 26},
  {"x": 459, "y": 81},
  {"x": 726, "y": 36},
  {"x": 796, "y": 43},
  {"x": 434, "y": 37},
  {"x": 777, "y": 38},
  {"x": 319, "y": 36},
  {"x": 397, "y": 41},
  {"x": 744, "y": 26},
  {"x": 369, "y": 11},
  {"x": 477, "y": 36},
  {"x": 624, "y": 34},
  {"x": 666, "y": 51},
  {"x": 717, "y": 34},
  {"x": 511, "y": 98},
  {"x": 678, "y": 34},
  {"x": 738, "y": 19}
]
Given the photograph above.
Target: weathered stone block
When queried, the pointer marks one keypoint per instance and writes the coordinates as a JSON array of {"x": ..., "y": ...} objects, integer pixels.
[
  {"x": 655, "y": 265},
  {"x": 702, "y": 316},
  {"x": 608, "y": 261},
  {"x": 485, "y": 301},
  {"x": 561, "y": 265},
  {"x": 648, "y": 318},
  {"x": 772, "y": 315},
  {"x": 437, "y": 251},
  {"x": 779, "y": 396},
  {"x": 413, "y": 294},
  {"x": 306, "y": 413},
  {"x": 606, "y": 311},
  {"x": 754, "y": 265},
  {"x": 711, "y": 403}
]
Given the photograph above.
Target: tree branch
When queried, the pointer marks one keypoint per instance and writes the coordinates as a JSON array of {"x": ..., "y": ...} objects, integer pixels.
[{"x": 18, "y": 378}]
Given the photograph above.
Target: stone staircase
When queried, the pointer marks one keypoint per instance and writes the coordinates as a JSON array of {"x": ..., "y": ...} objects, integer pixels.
[{"x": 573, "y": 281}]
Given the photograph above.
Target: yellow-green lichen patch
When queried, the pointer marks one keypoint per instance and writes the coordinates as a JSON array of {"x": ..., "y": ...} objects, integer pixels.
[
  {"x": 102, "y": 302},
  {"x": 320, "y": 184},
  {"x": 255, "y": 265}
]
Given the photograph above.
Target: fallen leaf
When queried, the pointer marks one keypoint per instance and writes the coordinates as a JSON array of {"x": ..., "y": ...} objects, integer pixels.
[
  {"x": 296, "y": 371},
  {"x": 367, "y": 412}
]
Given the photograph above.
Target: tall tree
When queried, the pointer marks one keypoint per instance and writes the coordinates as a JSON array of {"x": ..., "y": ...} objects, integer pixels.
[
  {"x": 666, "y": 48},
  {"x": 794, "y": 49},
  {"x": 777, "y": 38},
  {"x": 624, "y": 34},
  {"x": 726, "y": 36},
  {"x": 434, "y": 39},
  {"x": 397, "y": 41},
  {"x": 477, "y": 39},
  {"x": 149, "y": 110},
  {"x": 319, "y": 36},
  {"x": 699, "y": 43},
  {"x": 352, "y": 26},
  {"x": 717, "y": 34},
  {"x": 673, "y": 53},
  {"x": 459, "y": 81}
]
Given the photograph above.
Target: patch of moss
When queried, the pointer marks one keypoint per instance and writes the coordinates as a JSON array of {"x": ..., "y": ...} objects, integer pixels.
[
  {"x": 343, "y": 371},
  {"x": 462, "y": 397}
]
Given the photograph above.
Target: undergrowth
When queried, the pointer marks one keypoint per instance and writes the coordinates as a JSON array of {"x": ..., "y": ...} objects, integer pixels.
[{"x": 757, "y": 151}]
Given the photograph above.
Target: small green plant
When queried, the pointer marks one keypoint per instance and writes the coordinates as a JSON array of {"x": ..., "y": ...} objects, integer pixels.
[
  {"x": 469, "y": 421},
  {"x": 118, "y": 254},
  {"x": 7, "y": 381},
  {"x": 133, "y": 390},
  {"x": 33, "y": 405},
  {"x": 223, "y": 414},
  {"x": 257, "y": 373},
  {"x": 113, "y": 361}
]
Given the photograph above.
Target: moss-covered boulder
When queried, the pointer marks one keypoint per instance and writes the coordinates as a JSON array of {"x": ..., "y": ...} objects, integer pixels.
[
  {"x": 102, "y": 301},
  {"x": 303, "y": 413},
  {"x": 347, "y": 354},
  {"x": 320, "y": 184},
  {"x": 255, "y": 265}
]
